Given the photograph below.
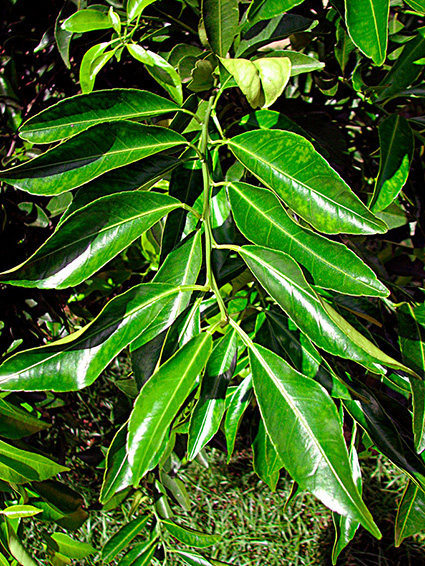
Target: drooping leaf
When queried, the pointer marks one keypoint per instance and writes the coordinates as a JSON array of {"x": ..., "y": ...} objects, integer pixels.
[
  {"x": 72, "y": 548},
  {"x": 92, "y": 63},
  {"x": 15, "y": 422},
  {"x": 294, "y": 408},
  {"x": 76, "y": 360},
  {"x": 240, "y": 400},
  {"x": 159, "y": 401},
  {"x": 284, "y": 281},
  {"x": 221, "y": 18},
  {"x": 305, "y": 181},
  {"x": 189, "y": 536},
  {"x": 86, "y": 20},
  {"x": 267, "y": 462},
  {"x": 77, "y": 113},
  {"x": 123, "y": 537},
  {"x": 410, "y": 518},
  {"x": 105, "y": 228},
  {"x": 261, "y": 218},
  {"x": 208, "y": 412},
  {"x": 118, "y": 474},
  {"x": 367, "y": 24},
  {"x": 274, "y": 75},
  {"x": 397, "y": 145},
  {"x": 247, "y": 78},
  {"x": 89, "y": 154},
  {"x": 18, "y": 550}
]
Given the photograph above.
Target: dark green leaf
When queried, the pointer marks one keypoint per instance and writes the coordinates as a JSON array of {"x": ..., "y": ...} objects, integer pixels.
[
  {"x": 189, "y": 536},
  {"x": 240, "y": 400},
  {"x": 77, "y": 113},
  {"x": 18, "y": 423},
  {"x": 410, "y": 518},
  {"x": 118, "y": 473},
  {"x": 221, "y": 18},
  {"x": 267, "y": 9},
  {"x": 261, "y": 218},
  {"x": 160, "y": 399},
  {"x": 89, "y": 154},
  {"x": 367, "y": 23},
  {"x": 294, "y": 408},
  {"x": 267, "y": 462},
  {"x": 397, "y": 145},
  {"x": 343, "y": 48},
  {"x": 86, "y": 20},
  {"x": 305, "y": 182},
  {"x": 145, "y": 558},
  {"x": 194, "y": 559},
  {"x": 138, "y": 550},
  {"x": 209, "y": 410},
  {"x": 123, "y": 537},
  {"x": 76, "y": 361},
  {"x": 300, "y": 63}
]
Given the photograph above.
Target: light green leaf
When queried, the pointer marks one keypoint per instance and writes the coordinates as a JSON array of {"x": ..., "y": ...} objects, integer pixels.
[
  {"x": 86, "y": 20},
  {"x": 118, "y": 474},
  {"x": 89, "y": 154},
  {"x": 247, "y": 78},
  {"x": 208, "y": 412},
  {"x": 189, "y": 536},
  {"x": 76, "y": 360},
  {"x": 300, "y": 63},
  {"x": 77, "y": 113},
  {"x": 240, "y": 400},
  {"x": 104, "y": 228},
  {"x": 72, "y": 548},
  {"x": 274, "y": 75},
  {"x": 18, "y": 550},
  {"x": 285, "y": 282},
  {"x": 136, "y": 7},
  {"x": 367, "y": 24},
  {"x": 159, "y": 401},
  {"x": 294, "y": 408},
  {"x": 261, "y": 218},
  {"x": 410, "y": 518},
  {"x": 193, "y": 558},
  {"x": 20, "y": 511},
  {"x": 397, "y": 144},
  {"x": 267, "y": 462},
  {"x": 123, "y": 537},
  {"x": 305, "y": 181},
  {"x": 92, "y": 63},
  {"x": 221, "y": 18}
]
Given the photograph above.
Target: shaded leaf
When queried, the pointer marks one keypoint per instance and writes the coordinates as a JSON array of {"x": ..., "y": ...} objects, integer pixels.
[
  {"x": 267, "y": 9},
  {"x": 367, "y": 24},
  {"x": 221, "y": 18},
  {"x": 118, "y": 474},
  {"x": 72, "y": 548},
  {"x": 410, "y": 518},
  {"x": 18, "y": 423},
  {"x": 267, "y": 462}
]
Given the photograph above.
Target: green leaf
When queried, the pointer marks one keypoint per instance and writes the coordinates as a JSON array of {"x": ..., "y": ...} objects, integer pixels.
[
  {"x": 72, "y": 548},
  {"x": 403, "y": 73},
  {"x": 221, "y": 19},
  {"x": 285, "y": 282},
  {"x": 238, "y": 404},
  {"x": 367, "y": 24},
  {"x": 63, "y": 40},
  {"x": 19, "y": 466},
  {"x": 418, "y": 5},
  {"x": 410, "y": 518},
  {"x": 105, "y": 228},
  {"x": 76, "y": 360},
  {"x": 118, "y": 474},
  {"x": 141, "y": 549},
  {"x": 77, "y": 113},
  {"x": 86, "y": 20},
  {"x": 189, "y": 536},
  {"x": 136, "y": 7},
  {"x": 305, "y": 182},
  {"x": 160, "y": 399},
  {"x": 397, "y": 144},
  {"x": 294, "y": 408},
  {"x": 247, "y": 78},
  {"x": 267, "y": 9},
  {"x": 261, "y": 218},
  {"x": 18, "y": 423},
  {"x": 160, "y": 69},
  {"x": 209, "y": 410},
  {"x": 89, "y": 154},
  {"x": 92, "y": 63},
  {"x": 194, "y": 559},
  {"x": 274, "y": 75},
  {"x": 145, "y": 558},
  {"x": 20, "y": 511},
  {"x": 267, "y": 463},
  {"x": 123, "y": 537},
  {"x": 18, "y": 550},
  {"x": 300, "y": 63},
  {"x": 343, "y": 48}
]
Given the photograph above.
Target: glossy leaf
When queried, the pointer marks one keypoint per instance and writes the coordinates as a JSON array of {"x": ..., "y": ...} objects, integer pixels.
[
  {"x": 261, "y": 218},
  {"x": 15, "y": 422},
  {"x": 274, "y": 75},
  {"x": 240, "y": 400},
  {"x": 118, "y": 474},
  {"x": 189, "y": 536},
  {"x": 72, "y": 548},
  {"x": 19, "y": 466},
  {"x": 18, "y": 550},
  {"x": 136, "y": 7},
  {"x": 300, "y": 63},
  {"x": 209, "y": 410},
  {"x": 105, "y": 228},
  {"x": 266, "y": 9},
  {"x": 145, "y": 558},
  {"x": 76, "y": 361},
  {"x": 294, "y": 409},
  {"x": 305, "y": 182},
  {"x": 141, "y": 550},
  {"x": 20, "y": 511},
  {"x": 92, "y": 63},
  {"x": 410, "y": 518},
  {"x": 86, "y": 20},
  {"x": 221, "y": 18},
  {"x": 77, "y": 113},
  {"x": 159, "y": 401},
  {"x": 397, "y": 145},
  {"x": 418, "y": 5},
  {"x": 285, "y": 282},
  {"x": 89, "y": 154},
  {"x": 123, "y": 537},
  {"x": 267, "y": 462},
  {"x": 194, "y": 559},
  {"x": 367, "y": 24}
]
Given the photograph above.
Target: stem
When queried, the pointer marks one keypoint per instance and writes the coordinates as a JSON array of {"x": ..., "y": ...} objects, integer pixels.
[
  {"x": 192, "y": 210},
  {"x": 227, "y": 247},
  {"x": 245, "y": 338}
]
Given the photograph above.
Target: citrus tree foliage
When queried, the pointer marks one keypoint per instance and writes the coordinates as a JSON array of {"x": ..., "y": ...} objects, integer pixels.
[{"x": 263, "y": 170}]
